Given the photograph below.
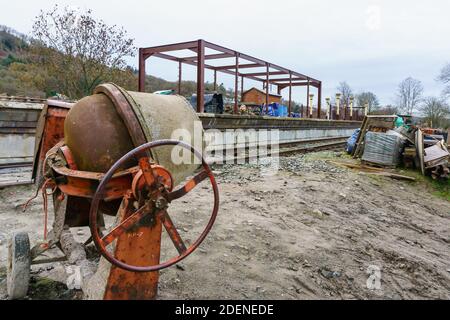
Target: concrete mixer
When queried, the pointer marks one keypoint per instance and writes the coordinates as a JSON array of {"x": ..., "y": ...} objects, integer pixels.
[{"x": 116, "y": 160}]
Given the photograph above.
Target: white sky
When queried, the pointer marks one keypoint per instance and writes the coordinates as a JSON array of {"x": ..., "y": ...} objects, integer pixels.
[{"x": 372, "y": 45}]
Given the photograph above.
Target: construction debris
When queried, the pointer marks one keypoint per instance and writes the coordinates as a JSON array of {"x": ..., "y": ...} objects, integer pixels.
[
  {"x": 382, "y": 148},
  {"x": 384, "y": 141}
]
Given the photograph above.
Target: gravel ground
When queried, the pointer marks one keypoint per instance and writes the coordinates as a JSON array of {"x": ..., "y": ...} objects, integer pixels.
[{"x": 311, "y": 230}]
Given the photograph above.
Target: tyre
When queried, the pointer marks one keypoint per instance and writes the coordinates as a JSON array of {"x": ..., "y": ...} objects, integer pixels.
[{"x": 19, "y": 260}]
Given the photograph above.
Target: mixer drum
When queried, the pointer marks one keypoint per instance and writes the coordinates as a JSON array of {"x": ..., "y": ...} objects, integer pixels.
[{"x": 101, "y": 128}]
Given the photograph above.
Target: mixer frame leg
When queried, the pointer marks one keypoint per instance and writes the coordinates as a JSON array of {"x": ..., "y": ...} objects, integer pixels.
[{"x": 140, "y": 245}]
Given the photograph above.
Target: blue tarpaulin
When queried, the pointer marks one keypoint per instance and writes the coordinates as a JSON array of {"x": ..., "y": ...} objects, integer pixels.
[
  {"x": 351, "y": 142},
  {"x": 276, "y": 110}
]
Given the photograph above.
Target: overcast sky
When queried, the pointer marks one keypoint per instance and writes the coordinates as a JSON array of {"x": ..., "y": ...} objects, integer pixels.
[{"x": 372, "y": 45}]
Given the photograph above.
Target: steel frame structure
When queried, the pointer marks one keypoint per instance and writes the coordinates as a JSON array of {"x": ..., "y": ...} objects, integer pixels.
[{"x": 271, "y": 75}]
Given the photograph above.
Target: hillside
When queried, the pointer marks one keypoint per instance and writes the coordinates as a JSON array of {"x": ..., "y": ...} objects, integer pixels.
[
  {"x": 13, "y": 48},
  {"x": 11, "y": 42},
  {"x": 15, "y": 73}
]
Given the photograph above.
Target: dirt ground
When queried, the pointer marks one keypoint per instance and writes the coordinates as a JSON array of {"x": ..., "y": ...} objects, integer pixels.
[{"x": 312, "y": 230}]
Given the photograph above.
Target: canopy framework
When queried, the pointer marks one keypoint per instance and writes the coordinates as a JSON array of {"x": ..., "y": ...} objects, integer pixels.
[{"x": 241, "y": 68}]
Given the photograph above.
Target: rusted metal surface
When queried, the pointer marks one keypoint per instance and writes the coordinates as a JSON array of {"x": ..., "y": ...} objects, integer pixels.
[
  {"x": 134, "y": 180},
  {"x": 69, "y": 158},
  {"x": 96, "y": 134},
  {"x": 180, "y": 192},
  {"x": 49, "y": 131},
  {"x": 139, "y": 246},
  {"x": 99, "y": 129},
  {"x": 139, "y": 180},
  {"x": 122, "y": 106},
  {"x": 154, "y": 207},
  {"x": 200, "y": 75},
  {"x": 271, "y": 76},
  {"x": 172, "y": 231},
  {"x": 83, "y": 184},
  {"x": 127, "y": 223}
]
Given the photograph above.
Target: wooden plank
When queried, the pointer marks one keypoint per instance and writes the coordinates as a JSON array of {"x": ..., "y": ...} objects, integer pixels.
[
  {"x": 392, "y": 175},
  {"x": 420, "y": 150}
]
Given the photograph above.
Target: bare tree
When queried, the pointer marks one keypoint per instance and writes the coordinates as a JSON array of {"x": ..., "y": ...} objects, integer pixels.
[
  {"x": 78, "y": 51},
  {"x": 368, "y": 98},
  {"x": 444, "y": 77},
  {"x": 388, "y": 110},
  {"x": 436, "y": 112},
  {"x": 346, "y": 92},
  {"x": 409, "y": 95}
]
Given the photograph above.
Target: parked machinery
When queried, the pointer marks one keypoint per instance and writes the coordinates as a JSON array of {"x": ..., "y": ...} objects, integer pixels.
[{"x": 115, "y": 159}]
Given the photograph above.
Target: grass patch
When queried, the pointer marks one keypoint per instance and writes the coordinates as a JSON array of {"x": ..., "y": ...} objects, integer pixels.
[
  {"x": 439, "y": 188},
  {"x": 327, "y": 155}
]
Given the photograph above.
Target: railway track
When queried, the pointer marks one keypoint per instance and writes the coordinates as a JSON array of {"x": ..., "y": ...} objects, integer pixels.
[
  {"x": 313, "y": 145},
  {"x": 299, "y": 146}
]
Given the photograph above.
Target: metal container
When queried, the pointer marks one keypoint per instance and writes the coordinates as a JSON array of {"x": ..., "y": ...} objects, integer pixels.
[{"x": 101, "y": 128}]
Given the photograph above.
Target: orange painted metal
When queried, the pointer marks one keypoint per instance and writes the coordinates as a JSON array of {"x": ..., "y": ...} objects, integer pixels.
[
  {"x": 127, "y": 223},
  {"x": 49, "y": 131},
  {"x": 139, "y": 246},
  {"x": 172, "y": 231},
  {"x": 69, "y": 157},
  {"x": 159, "y": 198},
  {"x": 199, "y": 177},
  {"x": 83, "y": 183},
  {"x": 147, "y": 171},
  {"x": 85, "y": 188},
  {"x": 139, "y": 181}
]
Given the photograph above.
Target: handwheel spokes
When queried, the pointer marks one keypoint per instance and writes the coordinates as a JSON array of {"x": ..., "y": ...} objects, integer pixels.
[
  {"x": 156, "y": 186},
  {"x": 199, "y": 177},
  {"x": 172, "y": 231},
  {"x": 126, "y": 224}
]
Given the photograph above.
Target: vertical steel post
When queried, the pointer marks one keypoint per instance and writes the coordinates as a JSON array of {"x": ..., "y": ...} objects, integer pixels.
[
  {"x": 141, "y": 83},
  {"x": 215, "y": 80},
  {"x": 200, "y": 76},
  {"x": 179, "y": 76},
  {"x": 290, "y": 94},
  {"x": 242, "y": 86},
  {"x": 307, "y": 96},
  {"x": 267, "y": 87},
  {"x": 236, "y": 75}
]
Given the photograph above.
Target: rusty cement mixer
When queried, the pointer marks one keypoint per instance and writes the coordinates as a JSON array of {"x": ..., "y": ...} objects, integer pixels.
[{"x": 115, "y": 160}]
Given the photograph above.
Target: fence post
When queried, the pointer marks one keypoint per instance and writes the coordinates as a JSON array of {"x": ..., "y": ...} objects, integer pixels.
[{"x": 328, "y": 107}]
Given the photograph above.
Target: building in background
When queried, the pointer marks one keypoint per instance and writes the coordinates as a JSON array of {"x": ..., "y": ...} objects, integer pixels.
[{"x": 255, "y": 96}]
